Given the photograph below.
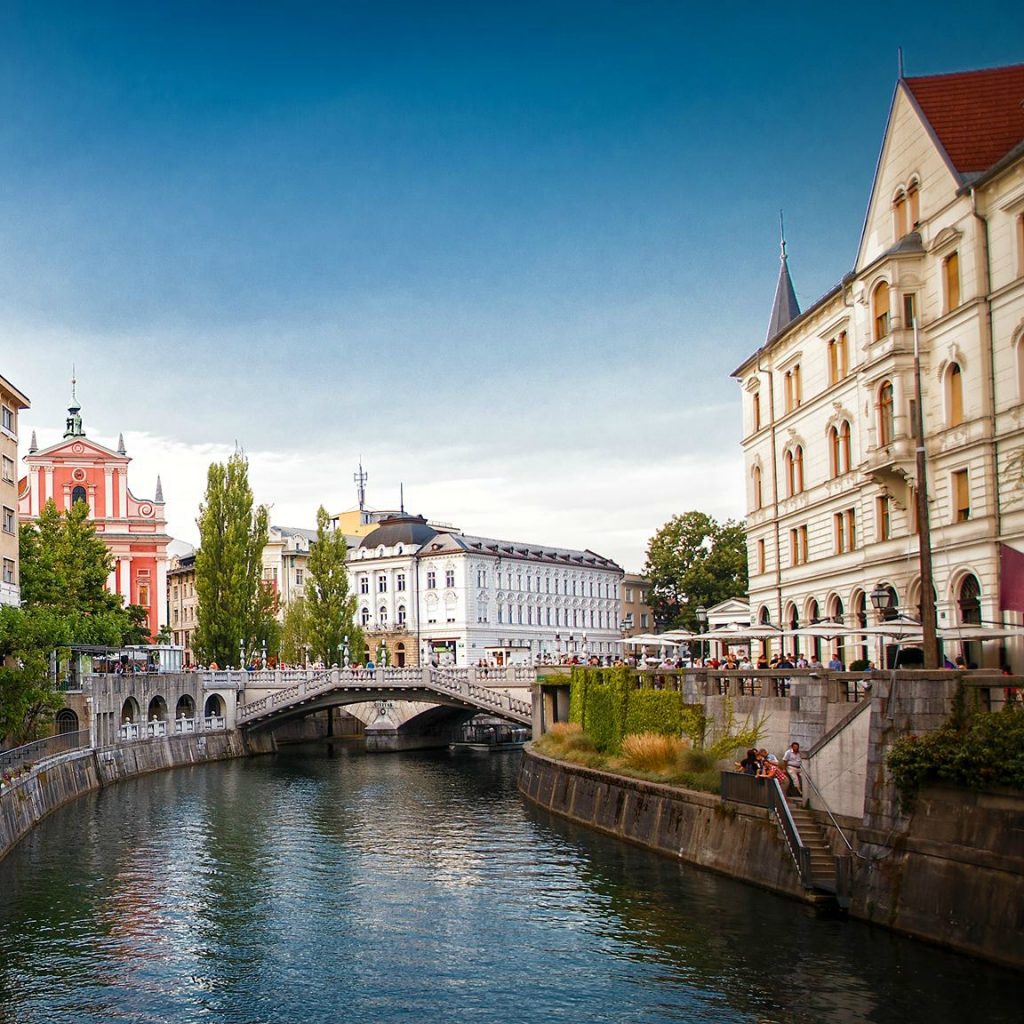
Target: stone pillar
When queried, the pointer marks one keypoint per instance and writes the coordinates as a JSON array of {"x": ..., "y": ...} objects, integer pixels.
[
  {"x": 124, "y": 577},
  {"x": 108, "y": 491},
  {"x": 48, "y": 474}
]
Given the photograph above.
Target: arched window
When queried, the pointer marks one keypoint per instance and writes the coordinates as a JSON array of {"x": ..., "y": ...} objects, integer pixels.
[
  {"x": 1019, "y": 348},
  {"x": 382, "y": 615},
  {"x": 886, "y": 415},
  {"x": 833, "y": 452},
  {"x": 899, "y": 214},
  {"x": 844, "y": 447},
  {"x": 880, "y": 310},
  {"x": 794, "y": 463},
  {"x": 913, "y": 205},
  {"x": 755, "y": 474},
  {"x": 364, "y": 617},
  {"x": 970, "y": 615},
  {"x": 401, "y": 615},
  {"x": 78, "y": 494},
  {"x": 970, "y": 601},
  {"x": 954, "y": 395},
  {"x": 755, "y": 404}
]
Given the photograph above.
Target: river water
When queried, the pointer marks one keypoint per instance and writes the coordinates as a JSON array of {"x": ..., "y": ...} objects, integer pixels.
[{"x": 316, "y": 887}]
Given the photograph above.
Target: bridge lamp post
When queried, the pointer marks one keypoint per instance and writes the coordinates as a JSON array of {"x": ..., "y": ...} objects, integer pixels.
[
  {"x": 241, "y": 654},
  {"x": 345, "y": 651},
  {"x": 702, "y": 619},
  {"x": 264, "y": 652}
]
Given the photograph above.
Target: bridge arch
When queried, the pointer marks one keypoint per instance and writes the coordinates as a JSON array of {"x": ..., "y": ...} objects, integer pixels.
[{"x": 130, "y": 711}]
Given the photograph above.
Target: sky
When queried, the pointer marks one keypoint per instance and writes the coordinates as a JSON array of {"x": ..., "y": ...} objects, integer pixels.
[{"x": 506, "y": 254}]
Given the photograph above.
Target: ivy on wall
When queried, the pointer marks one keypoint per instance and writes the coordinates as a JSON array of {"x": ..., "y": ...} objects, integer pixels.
[{"x": 608, "y": 705}]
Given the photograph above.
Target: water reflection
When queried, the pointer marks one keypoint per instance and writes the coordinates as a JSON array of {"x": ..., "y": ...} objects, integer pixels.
[{"x": 303, "y": 887}]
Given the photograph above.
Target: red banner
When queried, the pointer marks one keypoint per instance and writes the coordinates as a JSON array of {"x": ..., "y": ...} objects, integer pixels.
[{"x": 1011, "y": 579}]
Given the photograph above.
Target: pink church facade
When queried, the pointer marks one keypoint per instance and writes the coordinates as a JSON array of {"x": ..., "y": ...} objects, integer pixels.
[{"x": 134, "y": 529}]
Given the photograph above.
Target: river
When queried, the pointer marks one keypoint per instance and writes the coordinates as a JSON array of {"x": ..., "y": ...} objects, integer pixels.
[{"x": 310, "y": 886}]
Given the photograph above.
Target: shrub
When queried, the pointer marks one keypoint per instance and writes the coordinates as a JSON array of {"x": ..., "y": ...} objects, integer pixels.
[
  {"x": 695, "y": 761},
  {"x": 651, "y": 752},
  {"x": 859, "y": 665},
  {"x": 972, "y": 748}
]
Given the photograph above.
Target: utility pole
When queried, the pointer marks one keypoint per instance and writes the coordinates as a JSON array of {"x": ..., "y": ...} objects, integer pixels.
[{"x": 928, "y": 623}]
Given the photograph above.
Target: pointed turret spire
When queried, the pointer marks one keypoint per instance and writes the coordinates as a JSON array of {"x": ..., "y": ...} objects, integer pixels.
[
  {"x": 785, "y": 308},
  {"x": 120, "y": 445},
  {"x": 33, "y": 445},
  {"x": 73, "y": 427},
  {"x": 159, "y": 496}
]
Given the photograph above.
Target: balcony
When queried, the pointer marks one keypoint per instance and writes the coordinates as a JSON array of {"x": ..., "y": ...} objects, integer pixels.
[{"x": 892, "y": 467}]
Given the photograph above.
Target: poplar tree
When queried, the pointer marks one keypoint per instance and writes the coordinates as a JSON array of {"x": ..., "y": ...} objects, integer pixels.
[
  {"x": 329, "y": 607},
  {"x": 234, "y": 604}
]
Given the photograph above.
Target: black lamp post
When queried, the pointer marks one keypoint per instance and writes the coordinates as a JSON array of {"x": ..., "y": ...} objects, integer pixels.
[
  {"x": 702, "y": 619},
  {"x": 881, "y": 601}
]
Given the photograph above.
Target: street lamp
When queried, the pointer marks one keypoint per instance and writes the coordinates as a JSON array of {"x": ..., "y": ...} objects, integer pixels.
[
  {"x": 345, "y": 652},
  {"x": 702, "y": 619},
  {"x": 881, "y": 601},
  {"x": 264, "y": 652},
  {"x": 241, "y": 654}
]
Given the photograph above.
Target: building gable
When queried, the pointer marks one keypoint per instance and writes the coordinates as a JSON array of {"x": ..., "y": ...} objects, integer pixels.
[{"x": 911, "y": 154}]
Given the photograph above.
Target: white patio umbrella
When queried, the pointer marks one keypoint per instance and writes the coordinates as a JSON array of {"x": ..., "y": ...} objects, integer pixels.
[
  {"x": 820, "y": 631},
  {"x": 980, "y": 631},
  {"x": 651, "y": 640},
  {"x": 895, "y": 629}
]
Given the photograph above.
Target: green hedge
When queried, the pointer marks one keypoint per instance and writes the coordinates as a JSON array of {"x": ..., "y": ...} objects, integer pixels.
[
  {"x": 973, "y": 748},
  {"x": 608, "y": 705}
]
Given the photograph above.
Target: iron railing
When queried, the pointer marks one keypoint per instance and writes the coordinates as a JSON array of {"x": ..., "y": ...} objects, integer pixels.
[
  {"x": 745, "y": 789},
  {"x": 801, "y": 854},
  {"x": 39, "y": 750}
]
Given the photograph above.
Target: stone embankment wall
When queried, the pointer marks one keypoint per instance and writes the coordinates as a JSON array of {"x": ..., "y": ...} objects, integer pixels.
[
  {"x": 31, "y": 797},
  {"x": 954, "y": 876},
  {"x": 733, "y": 839}
]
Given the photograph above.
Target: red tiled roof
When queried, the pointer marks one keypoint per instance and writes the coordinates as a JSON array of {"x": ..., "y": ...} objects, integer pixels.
[{"x": 977, "y": 115}]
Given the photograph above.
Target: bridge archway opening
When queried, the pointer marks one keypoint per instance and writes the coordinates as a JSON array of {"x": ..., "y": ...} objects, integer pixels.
[
  {"x": 157, "y": 709},
  {"x": 399, "y": 655},
  {"x": 67, "y": 721},
  {"x": 214, "y": 706},
  {"x": 130, "y": 711},
  {"x": 185, "y": 708}
]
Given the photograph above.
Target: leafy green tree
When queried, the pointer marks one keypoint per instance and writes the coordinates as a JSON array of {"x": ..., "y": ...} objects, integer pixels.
[
  {"x": 330, "y": 608},
  {"x": 64, "y": 569},
  {"x": 694, "y": 560},
  {"x": 27, "y": 697},
  {"x": 294, "y": 633},
  {"x": 233, "y": 604}
]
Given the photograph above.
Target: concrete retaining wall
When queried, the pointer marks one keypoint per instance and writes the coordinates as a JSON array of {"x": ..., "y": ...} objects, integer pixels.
[
  {"x": 30, "y": 798},
  {"x": 955, "y": 876},
  {"x": 742, "y": 842}
]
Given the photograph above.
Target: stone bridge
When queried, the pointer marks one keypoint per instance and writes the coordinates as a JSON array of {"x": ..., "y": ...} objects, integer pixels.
[{"x": 399, "y": 708}]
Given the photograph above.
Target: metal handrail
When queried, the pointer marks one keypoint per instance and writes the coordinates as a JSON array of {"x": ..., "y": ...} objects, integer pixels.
[
  {"x": 824, "y": 803},
  {"x": 39, "y": 750},
  {"x": 801, "y": 854}
]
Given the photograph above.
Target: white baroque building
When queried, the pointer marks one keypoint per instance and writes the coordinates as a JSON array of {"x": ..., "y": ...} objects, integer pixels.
[
  {"x": 828, "y": 399},
  {"x": 432, "y": 592}
]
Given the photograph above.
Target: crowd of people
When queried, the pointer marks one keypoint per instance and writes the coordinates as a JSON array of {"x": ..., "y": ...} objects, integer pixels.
[{"x": 763, "y": 765}]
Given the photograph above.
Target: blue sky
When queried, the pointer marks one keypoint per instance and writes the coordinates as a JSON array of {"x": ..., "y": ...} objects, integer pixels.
[{"x": 508, "y": 253}]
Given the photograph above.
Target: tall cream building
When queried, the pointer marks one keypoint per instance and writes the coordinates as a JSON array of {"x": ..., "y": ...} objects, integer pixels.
[
  {"x": 828, "y": 399},
  {"x": 12, "y": 401}
]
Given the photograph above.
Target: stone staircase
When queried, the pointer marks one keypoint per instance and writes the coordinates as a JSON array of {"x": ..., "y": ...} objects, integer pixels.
[{"x": 823, "y": 867}]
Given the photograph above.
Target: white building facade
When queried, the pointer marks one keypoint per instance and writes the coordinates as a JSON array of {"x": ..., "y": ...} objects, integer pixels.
[
  {"x": 829, "y": 398},
  {"x": 466, "y": 600}
]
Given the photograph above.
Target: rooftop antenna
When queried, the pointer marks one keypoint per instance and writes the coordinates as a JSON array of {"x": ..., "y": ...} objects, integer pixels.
[
  {"x": 401, "y": 498},
  {"x": 74, "y": 386},
  {"x": 782, "y": 233},
  {"x": 899, "y": 60},
  {"x": 360, "y": 479}
]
